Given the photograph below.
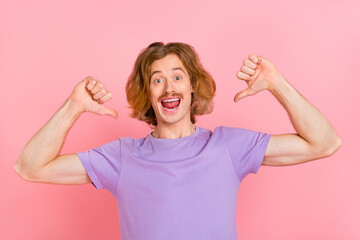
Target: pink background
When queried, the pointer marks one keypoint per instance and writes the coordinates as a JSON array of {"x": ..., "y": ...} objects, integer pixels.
[{"x": 47, "y": 47}]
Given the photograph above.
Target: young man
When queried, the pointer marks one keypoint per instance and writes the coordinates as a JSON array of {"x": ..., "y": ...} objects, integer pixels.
[{"x": 181, "y": 181}]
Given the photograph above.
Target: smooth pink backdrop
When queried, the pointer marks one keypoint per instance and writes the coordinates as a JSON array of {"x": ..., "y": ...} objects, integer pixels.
[{"x": 47, "y": 47}]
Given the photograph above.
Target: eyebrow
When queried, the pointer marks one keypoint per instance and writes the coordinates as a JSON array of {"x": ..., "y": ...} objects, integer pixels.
[{"x": 177, "y": 68}]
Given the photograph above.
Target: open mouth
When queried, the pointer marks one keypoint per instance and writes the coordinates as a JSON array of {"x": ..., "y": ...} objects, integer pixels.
[{"x": 170, "y": 104}]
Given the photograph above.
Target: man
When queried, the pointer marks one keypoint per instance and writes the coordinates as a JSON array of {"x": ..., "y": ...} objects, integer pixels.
[{"x": 180, "y": 181}]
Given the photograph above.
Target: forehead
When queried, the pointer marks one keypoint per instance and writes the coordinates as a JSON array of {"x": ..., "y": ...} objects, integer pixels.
[{"x": 167, "y": 63}]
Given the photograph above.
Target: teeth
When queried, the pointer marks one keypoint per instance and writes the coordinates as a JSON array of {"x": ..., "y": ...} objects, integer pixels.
[
  {"x": 171, "y": 100},
  {"x": 171, "y": 109}
]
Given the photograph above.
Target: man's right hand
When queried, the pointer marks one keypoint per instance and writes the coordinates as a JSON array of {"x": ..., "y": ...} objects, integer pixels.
[
  {"x": 89, "y": 96},
  {"x": 40, "y": 161}
]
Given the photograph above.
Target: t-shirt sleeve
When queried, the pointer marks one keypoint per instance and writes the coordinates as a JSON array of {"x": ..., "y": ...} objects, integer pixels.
[
  {"x": 246, "y": 148},
  {"x": 103, "y": 165}
]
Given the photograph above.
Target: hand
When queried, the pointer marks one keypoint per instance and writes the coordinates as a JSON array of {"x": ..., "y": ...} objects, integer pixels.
[
  {"x": 259, "y": 73},
  {"x": 89, "y": 95}
]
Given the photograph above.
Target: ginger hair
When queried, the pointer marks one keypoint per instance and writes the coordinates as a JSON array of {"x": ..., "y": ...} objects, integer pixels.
[{"x": 138, "y": 84}]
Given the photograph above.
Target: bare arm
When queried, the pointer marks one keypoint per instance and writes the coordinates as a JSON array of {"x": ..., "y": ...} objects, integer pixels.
[
  {"x": 40, "y": 161},
  {"x": 315, "y": 137}
]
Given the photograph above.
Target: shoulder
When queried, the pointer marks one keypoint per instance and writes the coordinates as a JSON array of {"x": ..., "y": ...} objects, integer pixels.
[
  {"x": 225, "y": 130},
  {"x": 131, "y": 143},
  {"x": 238, "y": 134},
  {"x": 111, "y": 147},
  {"x": 115, "y": 146}
]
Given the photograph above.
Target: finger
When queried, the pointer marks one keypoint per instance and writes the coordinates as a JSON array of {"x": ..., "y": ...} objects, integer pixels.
[
  {"x": 108, "y": 111},
  {"x": 255, "y": 58},
  {"x": 97, "y": 88},
  {"x": 89, "y": 82},
  {"x": 242, "y": 94},
  {"x": 99, "y": 94},
  {"x": 91, "y": 85},
  {"x": 250, "y": 64},
  {"x": 106, "y": 97},
  {"x": 87, "y": 79},
  {"x": 243, "y": 76},
  {"x": 246, "y": 69}
]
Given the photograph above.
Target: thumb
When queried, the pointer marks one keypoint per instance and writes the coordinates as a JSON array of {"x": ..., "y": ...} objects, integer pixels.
[
  {"x": 242, "y": 94},
  {"x": 108, "y": 111}
]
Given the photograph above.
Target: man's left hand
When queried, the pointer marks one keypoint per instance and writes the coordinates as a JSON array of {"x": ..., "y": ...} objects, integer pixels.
[{"x": 259, "y": 73}]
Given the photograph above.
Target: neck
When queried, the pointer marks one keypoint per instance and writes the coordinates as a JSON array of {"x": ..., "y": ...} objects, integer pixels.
[{"x": 172, "y": 131}]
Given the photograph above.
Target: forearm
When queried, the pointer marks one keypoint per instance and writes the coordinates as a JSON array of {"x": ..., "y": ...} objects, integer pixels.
[
  {"x": 46, "y": 144},
  {"x": 308, "y": 122}
]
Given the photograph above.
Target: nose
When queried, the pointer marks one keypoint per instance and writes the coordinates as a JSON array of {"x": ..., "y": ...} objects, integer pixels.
[{"x": 169, "y": 86}]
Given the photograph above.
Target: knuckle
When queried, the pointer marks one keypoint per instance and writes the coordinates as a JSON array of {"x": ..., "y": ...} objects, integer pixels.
[
  {"x": 107, "y": 97},
  {"x": 90, "y": 79}
]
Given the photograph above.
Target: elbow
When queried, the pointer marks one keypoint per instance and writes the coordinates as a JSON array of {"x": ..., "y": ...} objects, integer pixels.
[
  {"x": 334, "y": 147},
  {"x": 326, "y": 150},
  {"x": 19, "y": 171},
  {"x": 337, "y": 145},
  {"x": 22, "y": 171}
]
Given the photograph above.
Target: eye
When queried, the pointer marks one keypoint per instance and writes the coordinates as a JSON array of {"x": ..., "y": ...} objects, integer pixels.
[
  {"x": 178, "y": 77},
  {"x": 156, "y": 80}
]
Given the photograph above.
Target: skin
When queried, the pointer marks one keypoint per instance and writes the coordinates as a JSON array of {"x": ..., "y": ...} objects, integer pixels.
[
  {"x": 168, "y": 83},
  {"x": 40, "y": 161},
  {"x": 315, "y": 137}
]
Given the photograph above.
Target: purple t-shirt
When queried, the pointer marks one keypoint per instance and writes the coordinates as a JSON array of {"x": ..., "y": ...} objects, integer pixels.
[{"x": 184, "y": 188}]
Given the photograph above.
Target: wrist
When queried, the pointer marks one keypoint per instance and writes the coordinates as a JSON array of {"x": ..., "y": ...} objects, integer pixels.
[
  {"x": 276, "y": 83},
  {"x": 73, "y": 107}
]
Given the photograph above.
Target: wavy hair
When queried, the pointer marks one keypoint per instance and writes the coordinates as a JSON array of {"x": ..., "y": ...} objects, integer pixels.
[{"x": 138, "y": 84}]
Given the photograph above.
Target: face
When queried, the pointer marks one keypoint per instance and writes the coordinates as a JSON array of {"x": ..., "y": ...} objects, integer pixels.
[{"x": 170, "y": 90}]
